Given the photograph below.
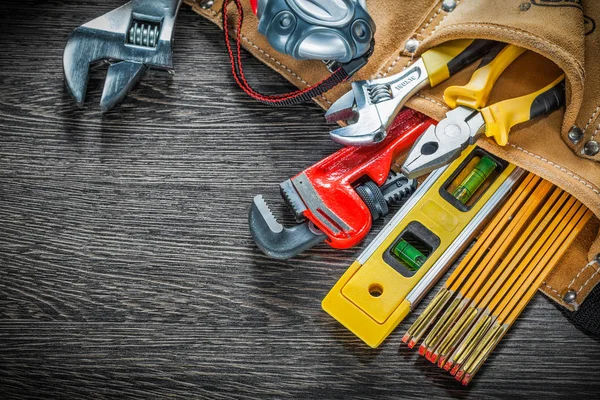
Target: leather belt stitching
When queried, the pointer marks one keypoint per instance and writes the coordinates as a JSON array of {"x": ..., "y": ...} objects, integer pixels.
[
  {"x": 572, "y": 175},
  {"x": 591, "y": 118}
]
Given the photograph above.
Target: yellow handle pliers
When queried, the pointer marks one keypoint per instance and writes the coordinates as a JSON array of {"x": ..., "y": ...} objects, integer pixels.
[{"x": 469, "y": 119}]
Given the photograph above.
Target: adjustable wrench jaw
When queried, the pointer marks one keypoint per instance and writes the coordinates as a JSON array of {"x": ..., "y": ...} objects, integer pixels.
[
  {"x": 364, "y": 119},
  {"x": 371, "y": 106},
  {"x": 133, "y": 37}
]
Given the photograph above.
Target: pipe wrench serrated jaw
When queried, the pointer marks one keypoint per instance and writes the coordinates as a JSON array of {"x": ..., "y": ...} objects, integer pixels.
[
  {"x": 274, "y": 239},
  {"x": 338, "y": 198},
  {"x": 133, "y": 38}
]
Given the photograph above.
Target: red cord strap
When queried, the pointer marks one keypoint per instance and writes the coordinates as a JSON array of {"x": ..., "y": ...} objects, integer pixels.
[{"x": 298, "y": 96}]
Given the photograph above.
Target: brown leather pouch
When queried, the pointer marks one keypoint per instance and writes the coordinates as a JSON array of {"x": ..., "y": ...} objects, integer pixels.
[{"x": 561, "y": 148}]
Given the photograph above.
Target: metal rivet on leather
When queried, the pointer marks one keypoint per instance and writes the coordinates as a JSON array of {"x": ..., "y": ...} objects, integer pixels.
[
  {"x": 524, "y": 6},
  {"x": 206, "y": 3},
  {"x": 411, "y": 45},
  {"x": 575, "y": 134},
  {"x": 448, "y": 5},
  {"x": 591, "y": 148},
  {"x": 570, "y": 296}
]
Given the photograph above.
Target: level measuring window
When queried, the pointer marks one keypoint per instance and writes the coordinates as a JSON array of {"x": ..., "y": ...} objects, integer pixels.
[
  {"x": 472, "y": 179},
  {"x": 411, "y": 249}
]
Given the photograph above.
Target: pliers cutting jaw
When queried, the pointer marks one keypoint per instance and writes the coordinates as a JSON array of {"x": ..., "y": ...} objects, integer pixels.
[
  {"x": 443, "y": 143},
  {"x": 133, "y": 37}
]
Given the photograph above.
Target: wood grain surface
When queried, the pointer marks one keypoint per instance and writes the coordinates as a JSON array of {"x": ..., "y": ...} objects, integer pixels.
[{"x": 126, "y": 264}]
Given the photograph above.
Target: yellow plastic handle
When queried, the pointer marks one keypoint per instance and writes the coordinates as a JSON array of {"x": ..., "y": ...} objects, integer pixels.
[
  {"x": 475, "y": 93},
  {"x": 501, "y": 117},
  {"x": 446, "y": 59}
]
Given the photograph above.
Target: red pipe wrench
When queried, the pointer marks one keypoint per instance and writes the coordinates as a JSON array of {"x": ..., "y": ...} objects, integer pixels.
[{"x": 337, "y": 199}]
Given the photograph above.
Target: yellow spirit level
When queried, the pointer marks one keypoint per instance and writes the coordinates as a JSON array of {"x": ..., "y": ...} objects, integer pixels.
[{"x": 420, "y": 242}]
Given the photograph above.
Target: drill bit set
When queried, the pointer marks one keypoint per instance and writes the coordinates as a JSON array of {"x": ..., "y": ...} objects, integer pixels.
[{"x": 495, "y": 281}]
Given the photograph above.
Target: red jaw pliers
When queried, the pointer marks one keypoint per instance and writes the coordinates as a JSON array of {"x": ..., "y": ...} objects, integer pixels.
[{"x": 337, "y": 199}]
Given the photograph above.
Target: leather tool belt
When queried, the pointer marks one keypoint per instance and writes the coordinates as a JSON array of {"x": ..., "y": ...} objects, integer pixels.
[{"x": 562, "y": 148}]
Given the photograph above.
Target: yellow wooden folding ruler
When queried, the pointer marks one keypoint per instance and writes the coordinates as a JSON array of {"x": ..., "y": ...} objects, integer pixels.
[{"x": 420, "y": 242}]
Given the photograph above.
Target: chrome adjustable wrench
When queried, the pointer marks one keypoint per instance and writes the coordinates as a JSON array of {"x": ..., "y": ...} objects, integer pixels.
[
  {"x": 133, "y": 38},
  {"x": 371, "y": 105}
]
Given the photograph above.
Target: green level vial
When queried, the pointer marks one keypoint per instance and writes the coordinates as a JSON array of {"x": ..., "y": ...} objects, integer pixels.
[
  {"x": 409, "y": 255},
  {"x": 474, "y": 179}
]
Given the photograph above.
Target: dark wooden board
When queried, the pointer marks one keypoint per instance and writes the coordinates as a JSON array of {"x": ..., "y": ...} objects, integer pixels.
[{"x": 126, "y": 264}]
